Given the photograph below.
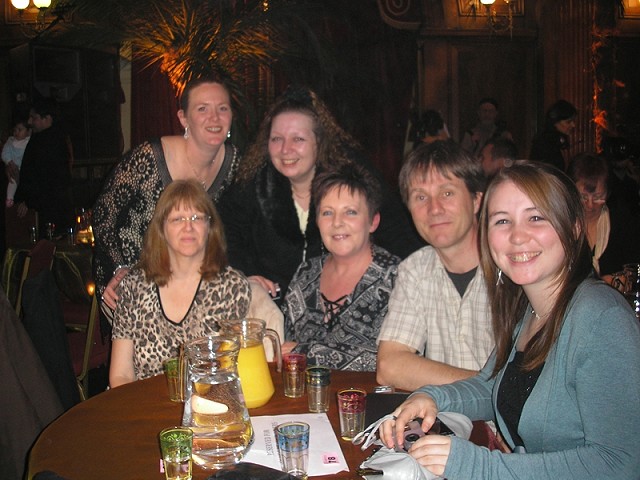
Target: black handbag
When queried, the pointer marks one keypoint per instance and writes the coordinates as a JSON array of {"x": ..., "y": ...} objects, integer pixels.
[{"x": 251, "y": 471}]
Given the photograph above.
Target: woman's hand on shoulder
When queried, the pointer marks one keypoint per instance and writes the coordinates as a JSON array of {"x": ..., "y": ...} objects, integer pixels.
[
  {"x": 110, "y": 295},
  {"x": 271, "y": 287},
  {"x": 418, "y": 405}
]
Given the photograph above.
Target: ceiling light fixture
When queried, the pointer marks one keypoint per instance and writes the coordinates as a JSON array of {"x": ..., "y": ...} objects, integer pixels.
[
  {"x": 43, "y": 19},
  {"x": 499, "y": 13}
]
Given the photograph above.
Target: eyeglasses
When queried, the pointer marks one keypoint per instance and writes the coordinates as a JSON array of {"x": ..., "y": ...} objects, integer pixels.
[
  {"x": 196, "y": 219},
  {"x": 595, "y": 198}
]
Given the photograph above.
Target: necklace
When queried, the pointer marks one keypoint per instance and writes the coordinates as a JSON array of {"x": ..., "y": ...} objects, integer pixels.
[
  {"x": 297, "y": 195},
  {"x": 202, "y": 182}
]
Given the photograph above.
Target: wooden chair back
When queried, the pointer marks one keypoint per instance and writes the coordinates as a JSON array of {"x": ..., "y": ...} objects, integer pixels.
[
  {"x": 40, "y": 258},
  {"x": 87, "y": 347}
]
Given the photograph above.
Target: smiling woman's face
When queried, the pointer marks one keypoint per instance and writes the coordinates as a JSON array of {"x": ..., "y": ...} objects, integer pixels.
[
  {"x": 345, "y": 223},
  {"x": 293, "y": 148},
  {"x": 523, "y": 243}
]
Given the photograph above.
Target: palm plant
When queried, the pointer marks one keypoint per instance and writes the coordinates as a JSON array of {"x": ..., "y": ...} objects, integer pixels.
[{"x": 191, "y": 38}]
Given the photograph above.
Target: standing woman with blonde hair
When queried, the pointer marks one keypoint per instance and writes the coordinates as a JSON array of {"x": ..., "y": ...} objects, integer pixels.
[
  {"x": 562, "y": 382},
  {"x": 124, "y": 209}
]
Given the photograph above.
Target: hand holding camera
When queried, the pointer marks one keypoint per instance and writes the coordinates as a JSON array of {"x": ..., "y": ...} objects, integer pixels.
[{"x": 413, "y": 431}]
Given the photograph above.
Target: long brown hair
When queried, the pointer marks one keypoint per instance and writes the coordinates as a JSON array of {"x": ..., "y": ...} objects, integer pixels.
[
  {"x": 558, "y": 200},
  {"x": 331, "y": 138},
  {"x": 154, "y": 259}
]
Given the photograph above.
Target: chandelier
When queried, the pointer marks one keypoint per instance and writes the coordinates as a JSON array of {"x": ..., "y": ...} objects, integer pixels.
[
  {"x": 498, "y": 23},
  {"x": 499, "y": 13},
  {"x": 37, "y": 17}
]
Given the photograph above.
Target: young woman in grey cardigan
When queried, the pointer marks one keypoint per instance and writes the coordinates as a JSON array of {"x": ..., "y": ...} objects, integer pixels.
[{"x": 562, "y": 383}]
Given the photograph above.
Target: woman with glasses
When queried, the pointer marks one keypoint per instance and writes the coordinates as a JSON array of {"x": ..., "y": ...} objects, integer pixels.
[
  {"x": 180, "y": 289},
  {"x": 612, "y": 230}
]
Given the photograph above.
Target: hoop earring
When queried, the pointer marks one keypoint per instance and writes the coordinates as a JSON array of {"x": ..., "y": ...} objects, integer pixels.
[
  {"x": 499, "y": 281},
  {"x": 186, "y": 132}
]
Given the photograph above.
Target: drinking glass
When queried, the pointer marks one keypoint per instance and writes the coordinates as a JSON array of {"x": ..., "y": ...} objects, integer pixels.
[
  {"x": 176, "y": 444},
  {"x": 293, "y": 445},
  {"x": 352, "y": 403},
  {"x": 632, "y": 286},
  {"x": 293, "y": 372}
]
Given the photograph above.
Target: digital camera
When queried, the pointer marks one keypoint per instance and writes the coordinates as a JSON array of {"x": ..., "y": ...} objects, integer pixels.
[{"x": 413, "y": 431}]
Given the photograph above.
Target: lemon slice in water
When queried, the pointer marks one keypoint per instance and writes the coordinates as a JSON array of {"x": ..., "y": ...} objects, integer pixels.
[{"x": 207, "y": 407}]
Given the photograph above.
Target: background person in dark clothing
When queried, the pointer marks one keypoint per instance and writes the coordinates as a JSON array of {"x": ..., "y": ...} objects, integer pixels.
[
  {"x": 45, "y": 176},
  {"x": 552, "y": 144}
]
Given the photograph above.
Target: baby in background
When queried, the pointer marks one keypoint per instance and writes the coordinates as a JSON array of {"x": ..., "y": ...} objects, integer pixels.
[{"x": 12, "y": 153}]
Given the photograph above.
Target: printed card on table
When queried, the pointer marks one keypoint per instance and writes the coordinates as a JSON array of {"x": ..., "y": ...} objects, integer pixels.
[{"x": 325, "y": 454}]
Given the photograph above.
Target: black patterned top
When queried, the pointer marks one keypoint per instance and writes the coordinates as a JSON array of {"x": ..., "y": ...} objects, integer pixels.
[
  {"x": 128, "y": 199},
  {"x": 347, "y": 340}
]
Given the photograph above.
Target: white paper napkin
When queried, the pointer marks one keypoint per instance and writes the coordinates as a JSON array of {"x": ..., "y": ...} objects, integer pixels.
[{"x": 325, "y": 454}]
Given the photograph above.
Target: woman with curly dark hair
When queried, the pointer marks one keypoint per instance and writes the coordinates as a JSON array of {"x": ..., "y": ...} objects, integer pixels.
[{"x": 269, "y": 213}]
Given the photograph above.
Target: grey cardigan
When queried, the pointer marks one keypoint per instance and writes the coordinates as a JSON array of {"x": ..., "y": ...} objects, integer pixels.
[{"x": 582, "y": 419}]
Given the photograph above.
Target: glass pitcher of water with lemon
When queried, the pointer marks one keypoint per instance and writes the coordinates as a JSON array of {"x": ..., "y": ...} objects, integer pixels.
[
  {"x": 214, "y": 405},
  {"x": 253, "y": 368}
]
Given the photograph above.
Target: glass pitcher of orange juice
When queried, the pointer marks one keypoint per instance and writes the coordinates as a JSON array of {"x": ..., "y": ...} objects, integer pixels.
[{"x": 253, "y": 369}]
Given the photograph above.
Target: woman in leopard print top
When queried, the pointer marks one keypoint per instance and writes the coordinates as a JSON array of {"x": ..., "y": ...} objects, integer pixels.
[{"x": 180, "y": 290}]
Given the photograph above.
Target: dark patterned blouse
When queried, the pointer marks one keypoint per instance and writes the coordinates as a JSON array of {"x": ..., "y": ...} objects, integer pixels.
[
  {"x": 346, "y": 338},
  {"x": 124, "y": 209}
]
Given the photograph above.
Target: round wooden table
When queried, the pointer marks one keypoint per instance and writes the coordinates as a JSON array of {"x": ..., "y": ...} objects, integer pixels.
[{"x": 115, "y": 434}]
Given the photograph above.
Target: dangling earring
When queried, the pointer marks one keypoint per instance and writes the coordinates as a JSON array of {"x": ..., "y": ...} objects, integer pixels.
[
  {"x": 499, "y": 281},
  {"x": 186, "y": 132},
  {"x": 229, "y": 134}
]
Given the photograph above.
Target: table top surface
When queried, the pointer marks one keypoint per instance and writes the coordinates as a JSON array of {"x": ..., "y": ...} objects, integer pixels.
[{"x": 115, "y": 433}]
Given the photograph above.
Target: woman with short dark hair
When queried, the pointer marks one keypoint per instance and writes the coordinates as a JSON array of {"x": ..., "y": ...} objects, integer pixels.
[
  {"x": 337, "y": 301},
  {"x": 268, "y": 214}
]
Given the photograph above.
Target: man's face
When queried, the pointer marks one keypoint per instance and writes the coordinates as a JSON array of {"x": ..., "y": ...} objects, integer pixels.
[
  {"x": 39, "y": 123},
  {"x": 487, "y": 113},
  {"x": 443, "y": 210},
  {"x": 489, "y": 164}
]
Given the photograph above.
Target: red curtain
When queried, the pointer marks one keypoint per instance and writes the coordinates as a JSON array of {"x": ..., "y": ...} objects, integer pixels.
[
  {"x": 370, "y": 94},
  {"x": 154, "y": 105}
]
